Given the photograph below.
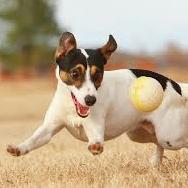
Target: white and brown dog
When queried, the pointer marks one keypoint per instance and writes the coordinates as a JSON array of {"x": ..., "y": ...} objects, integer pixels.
[{"x": 94, "y": 105}]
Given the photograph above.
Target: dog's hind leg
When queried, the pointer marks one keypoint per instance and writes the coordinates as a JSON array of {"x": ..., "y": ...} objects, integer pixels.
[
  {"x": 40, "y": 137},
  {"x": 157, "y": 157},
  {"x": 145, "y": 133}
]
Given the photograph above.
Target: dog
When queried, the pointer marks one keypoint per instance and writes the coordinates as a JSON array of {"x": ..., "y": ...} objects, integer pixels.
[{"x": 94, "y": 105}]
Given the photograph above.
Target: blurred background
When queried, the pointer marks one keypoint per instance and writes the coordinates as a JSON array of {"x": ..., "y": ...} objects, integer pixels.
[{"x": 150, "y": 34}]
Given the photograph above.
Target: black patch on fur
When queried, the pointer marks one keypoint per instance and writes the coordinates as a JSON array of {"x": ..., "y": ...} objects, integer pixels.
[
  {"x": 160, "y": 78},
  {"x": 96, "y": 58},
  {"x": 73, "y": 58}
]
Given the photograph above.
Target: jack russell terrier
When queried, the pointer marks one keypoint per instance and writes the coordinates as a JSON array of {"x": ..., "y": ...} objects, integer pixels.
[{"x": 94, "y": 104}]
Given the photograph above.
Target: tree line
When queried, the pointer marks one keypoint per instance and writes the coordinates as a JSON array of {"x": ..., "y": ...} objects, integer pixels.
[{"x": 31, "y": 33}]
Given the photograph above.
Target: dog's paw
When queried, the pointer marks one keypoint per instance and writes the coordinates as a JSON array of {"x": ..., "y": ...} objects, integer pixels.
[
  {"x": 13, "y": 150},
  {"x": 95, "y": 149}
]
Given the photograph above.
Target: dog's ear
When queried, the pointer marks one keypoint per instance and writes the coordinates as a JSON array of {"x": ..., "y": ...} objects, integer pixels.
[
  {"x": 67, "y": 42},
  {"x": 109, "y": 47}
]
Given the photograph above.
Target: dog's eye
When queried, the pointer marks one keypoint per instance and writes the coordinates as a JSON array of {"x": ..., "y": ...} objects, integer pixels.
[{"x": 75, "y": 74}]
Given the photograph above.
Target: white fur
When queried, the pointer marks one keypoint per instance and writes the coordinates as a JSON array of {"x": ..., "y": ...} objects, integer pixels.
[
  {"x": 84, "y": 52},
  {"x": 113, "y": 114}
]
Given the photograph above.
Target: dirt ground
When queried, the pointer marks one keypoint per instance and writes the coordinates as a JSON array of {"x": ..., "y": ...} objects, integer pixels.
[{"x": 65, "y": 161}]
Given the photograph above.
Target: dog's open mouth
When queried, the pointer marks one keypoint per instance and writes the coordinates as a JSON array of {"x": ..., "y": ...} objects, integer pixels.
[{"x": 82, "y": 111}]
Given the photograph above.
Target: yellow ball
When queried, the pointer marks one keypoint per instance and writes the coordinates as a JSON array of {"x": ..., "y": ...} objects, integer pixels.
[{"x": 146, "y": 94}]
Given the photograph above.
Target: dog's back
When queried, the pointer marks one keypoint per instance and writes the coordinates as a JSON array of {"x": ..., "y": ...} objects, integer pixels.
[{"x": 184, "y": 88}]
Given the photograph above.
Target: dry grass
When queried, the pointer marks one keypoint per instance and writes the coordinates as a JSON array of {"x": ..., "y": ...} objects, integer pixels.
[{"x": 65, "y": 162}]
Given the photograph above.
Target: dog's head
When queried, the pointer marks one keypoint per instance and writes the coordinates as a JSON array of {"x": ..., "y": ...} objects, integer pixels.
[{"x": 82, "y": 70}]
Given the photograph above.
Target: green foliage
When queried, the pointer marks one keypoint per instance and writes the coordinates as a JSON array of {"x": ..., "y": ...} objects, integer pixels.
[{"x": 33, "y": 30}]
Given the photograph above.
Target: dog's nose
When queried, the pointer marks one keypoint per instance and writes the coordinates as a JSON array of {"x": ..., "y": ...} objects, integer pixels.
[{"x": 90, "y": 100}]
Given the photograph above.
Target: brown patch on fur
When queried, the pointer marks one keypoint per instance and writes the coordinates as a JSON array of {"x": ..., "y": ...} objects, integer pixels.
[
  {"x": 67, "y": 42},
  {"x": 93, "y": 69},
  {"x": 96, "y": 149},
  {"x": 109, "y": 47},
  {"x": 65, "y": 77},
  {"x": 69, "y": 80},
  {"x": 148, "y": 126},
  {"x": 145, "y": 133},
  {"x": 13, "y": 150},
  {"x": 81, "y": 67},
  {"x": 96, "y": 76}
]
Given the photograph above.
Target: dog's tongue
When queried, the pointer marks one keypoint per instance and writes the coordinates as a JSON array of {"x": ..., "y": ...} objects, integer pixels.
[{"x": 83, "y": 110}]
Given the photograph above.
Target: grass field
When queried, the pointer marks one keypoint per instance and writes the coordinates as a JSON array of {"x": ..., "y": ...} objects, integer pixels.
[{"x": 65, "y": 161}]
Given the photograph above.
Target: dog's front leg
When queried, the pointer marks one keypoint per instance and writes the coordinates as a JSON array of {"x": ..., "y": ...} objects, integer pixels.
[
  {"x": 95, "y": 134},
  {"x": 40, "y": 137}
]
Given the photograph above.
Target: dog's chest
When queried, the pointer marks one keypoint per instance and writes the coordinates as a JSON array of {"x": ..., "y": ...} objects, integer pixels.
[
  {"x": 73, "y": 120},
  {"x": 74, "y": 126},
  {"x": 78, "y": 132}
]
